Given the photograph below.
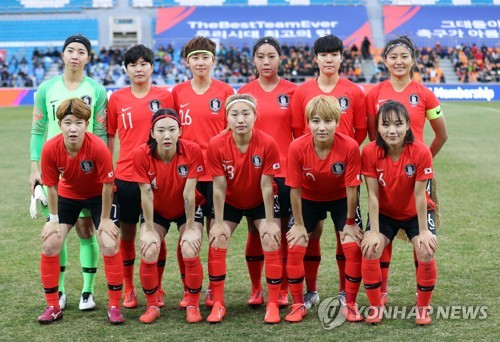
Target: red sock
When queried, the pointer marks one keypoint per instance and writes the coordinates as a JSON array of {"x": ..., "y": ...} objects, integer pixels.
[
  {"x": 149, "y": 280},
  {"x": 273, "y": 262},
  {"x": 385, "y": 262},
  {"x": 295, "y": 271},
  {"x": 372, "y": 278},
  {"x": 352, "y": 270},
  {"x": 255, "y": 259},
  {"x": 160, "y": 265},
  {"x": 311, "y": 264},
  {"x": 127, "y": 250},
  {"x": 340, "y": 256},
  {"x": 182, "y": 267},
  {"x": 113, "y": 268},
  {"x": 194, "y": 279},
  {"x": 49, "y": 271},
  {"x": 426, "y": 280},
  {"x": 217, "y": 272},
  {"x": 284, "y": 256}
]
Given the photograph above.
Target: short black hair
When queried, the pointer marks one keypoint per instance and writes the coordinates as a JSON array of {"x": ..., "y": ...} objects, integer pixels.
[
  {"x": 328, "y": 43},
  {"x": 137, "y": 51}
]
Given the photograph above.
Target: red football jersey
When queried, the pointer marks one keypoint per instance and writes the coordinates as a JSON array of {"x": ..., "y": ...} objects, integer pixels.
[
  {"x": 131, "y": 117},
  {"x": 202, "y": 116},
  {"x": 79, "y": 177},
  {"x": 168, "y": 179},
  {"x": 274, "y": 115},
  {"x": 397, "y": 179},
  {"x": 352, "y": 102},
  {"x": 243, "y": 171},
  {"x": 326, "y": 179},
  {"x": 415, "y": 97}
]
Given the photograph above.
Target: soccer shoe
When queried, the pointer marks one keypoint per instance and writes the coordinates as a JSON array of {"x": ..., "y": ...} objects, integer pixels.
[
  {"x": 342, "y": 300},
  {"x": 311, "y": 298},
  {"x": 51, "y": 314},
  {"x": 193, "y": 314},
  {"x": 297, "y": 312},
  {"x": 62, "y": 300},
  {"x": 130, "y": 300},
  {"x": 209, "y": 298},
  {"x": 423, "y": 317},
  {"x": 283, "y": 299},
  {"x": 151, "y": 314},
  {"x": 115, "y": 316},
  {"x": 218, "y": 313},
  {"x": 185, "y": 300},
  {"x": 161, "y": 302},
  {"x": 87, "y": 301},
  {"x": 384, "y": 298},
  {"x": 256, "y": 298},
  {"x": 375, "y": 314},
  {"x": 272, "y": 313},
  {"x": 351, "y": 312}
]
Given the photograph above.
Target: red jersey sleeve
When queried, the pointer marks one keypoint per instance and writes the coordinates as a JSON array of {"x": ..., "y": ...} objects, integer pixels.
[
  {"x": 214, "y": 163},
  {"x": 198, "y": 166},
  {"x": 272, "y": 160},
  {"x": 294, "y": 167},
  {"x": 50, "y": 174},
  {"x": 424, "y": 165},
  {"x": 371, "y": 97},
  {"x": 104, "y": 163},
  {"x": 368, "y": 160},
  {"x": 112, "y": 116},
  {"x": 141, "y": 164},
  {"x": 298, "y": 110},
  {"x": 353, "y": 169}
]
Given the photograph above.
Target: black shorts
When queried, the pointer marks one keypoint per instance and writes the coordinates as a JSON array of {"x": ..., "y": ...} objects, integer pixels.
[
  {"x": 313, "y": 212},
  {"x": 165, "y": 223},
  {"x": 233, "y": 214},
  {"x": 69, "y": 209},
  {"x": 283, "y": 198},
  {"x": 207, "y": 190},
  {"x": 129, "y": 199},
  {"x": 390, "y": 227}
]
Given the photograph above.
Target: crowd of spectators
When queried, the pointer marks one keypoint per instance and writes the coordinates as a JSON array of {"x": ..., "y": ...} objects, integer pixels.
[{"x": 234, "y": 66}]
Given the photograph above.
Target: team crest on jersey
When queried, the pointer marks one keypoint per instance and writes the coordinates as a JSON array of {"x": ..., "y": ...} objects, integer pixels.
[
  {"x": 257, "y": 161},
  {"x": 154, "y": 105},
  {"x": 344, "y": 103},
  {"x": 87, "y": 99},
  {"x": 87, "y": 166},
  {"x": 283, "y": 100},
  {"x": 413, "y": 99},
  {"x": 410, "y": 170},
  {"x": 338, "y": 168},
  {"x": 183, "y": 170},
  {"x": 215, "y": 105}
]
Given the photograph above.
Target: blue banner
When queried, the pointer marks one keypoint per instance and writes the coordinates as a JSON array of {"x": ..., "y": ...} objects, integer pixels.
[
  {"x": 239, "y": 25},
  {"x": 451, "y": 26}
]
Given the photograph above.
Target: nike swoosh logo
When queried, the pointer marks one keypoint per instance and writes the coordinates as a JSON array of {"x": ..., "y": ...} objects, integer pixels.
[
  {"x": 53, "y": 101},
  {"x": 438, "y": 112},
  {"x": 184, "y": 105},
  {"x": 380, "y": 170},
  {"x": 125, "y": 109},
  {"x": 151, "y": 173},
  {"x": 227, "y": 161},
  {"x": 306, "y": 168},
  {"x": 380, "y": 101}
]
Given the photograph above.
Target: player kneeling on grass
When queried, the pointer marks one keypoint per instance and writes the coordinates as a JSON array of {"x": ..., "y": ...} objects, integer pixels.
[
  {"x": 167, "y": 169},
  {"x": 323, "y": 174},
  {"x": 78, "y": 171},
  {"x": 396, "y": 168},
  {"x": 243, "y": 162}
]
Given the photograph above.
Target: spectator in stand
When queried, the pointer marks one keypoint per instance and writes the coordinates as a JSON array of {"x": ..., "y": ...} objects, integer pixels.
[{"x": 365, "y": 48}]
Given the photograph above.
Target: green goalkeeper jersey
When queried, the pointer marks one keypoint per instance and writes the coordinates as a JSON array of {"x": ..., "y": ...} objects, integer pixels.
[{"x": 48, "y": 97}]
